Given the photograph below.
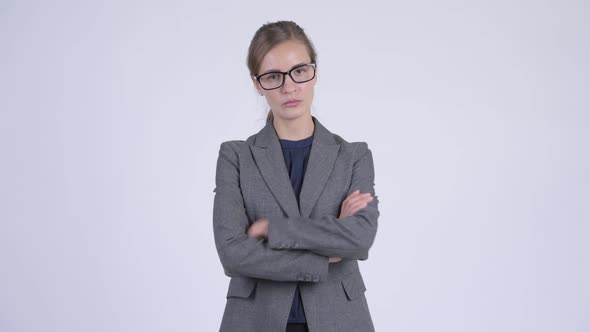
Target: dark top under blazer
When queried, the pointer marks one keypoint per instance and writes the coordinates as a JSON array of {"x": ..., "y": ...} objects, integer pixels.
[
  {"x": 296, "y": 154},
  {"x": 251, "y": 182}
]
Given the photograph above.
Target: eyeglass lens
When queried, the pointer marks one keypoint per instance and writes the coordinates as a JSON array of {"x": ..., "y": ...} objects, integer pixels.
[{"x": 274, "y": 80}]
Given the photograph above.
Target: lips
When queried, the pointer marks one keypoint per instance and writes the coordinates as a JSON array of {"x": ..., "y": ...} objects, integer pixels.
[{"x": 292, "y": 102}]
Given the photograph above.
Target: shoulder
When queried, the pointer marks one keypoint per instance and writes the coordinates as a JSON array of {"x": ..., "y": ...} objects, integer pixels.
[
  {"x": 357, "y": 149},
  {"x": 231, "y": 145},
  {"x": 229, "y": 152},
  {"x": 236, "y": 146},
  {"x": 357, "y": 153}
]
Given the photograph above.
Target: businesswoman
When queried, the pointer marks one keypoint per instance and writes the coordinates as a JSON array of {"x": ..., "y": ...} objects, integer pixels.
[{"x": 295, "y": 207}]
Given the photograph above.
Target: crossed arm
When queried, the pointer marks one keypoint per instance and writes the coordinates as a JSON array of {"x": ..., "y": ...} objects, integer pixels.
[
  {"x": 243, "y": 251},
  {"x": 352, "y": 204}
]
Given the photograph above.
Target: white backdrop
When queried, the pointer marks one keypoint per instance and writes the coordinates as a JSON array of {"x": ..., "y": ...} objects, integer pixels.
[{"x": 477, "y": 113}]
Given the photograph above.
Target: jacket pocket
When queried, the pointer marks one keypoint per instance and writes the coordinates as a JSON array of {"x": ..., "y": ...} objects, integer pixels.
[
  {"x": 353, "y": 285},
  {"x": 240, "y": 287}
]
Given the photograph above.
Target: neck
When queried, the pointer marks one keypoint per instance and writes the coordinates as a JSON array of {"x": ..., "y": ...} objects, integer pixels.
[{"x": 294, "y": 129}]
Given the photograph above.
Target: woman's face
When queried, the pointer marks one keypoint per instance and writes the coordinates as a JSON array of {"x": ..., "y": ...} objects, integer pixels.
[{"x": 292, "y": 100}]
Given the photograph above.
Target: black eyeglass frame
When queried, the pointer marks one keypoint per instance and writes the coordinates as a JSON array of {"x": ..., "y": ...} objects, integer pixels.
[{"x": 284, "y": 73}]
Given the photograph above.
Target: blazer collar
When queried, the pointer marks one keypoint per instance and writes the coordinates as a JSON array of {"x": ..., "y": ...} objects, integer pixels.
[{"x": 269, "y": 158}]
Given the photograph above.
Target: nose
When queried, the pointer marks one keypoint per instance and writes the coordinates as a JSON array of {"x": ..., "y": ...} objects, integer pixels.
[{"x": 289, "y": 85}]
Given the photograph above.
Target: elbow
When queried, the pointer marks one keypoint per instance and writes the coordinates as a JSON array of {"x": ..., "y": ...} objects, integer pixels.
[
  {"x": 228, "y": 259},
  {"x": 228, "y": 266},
  {"x": 363, "y": 251},
  {"x": 235, "y": 255},
  {"x": 231, "y": 267},
  {"x": 365, "y": 242},
  {"x": 229, "y": 272},
  {"x": 369, "y": 221},
  {"x": 359, "y": 247},
  {"x": 367, "y": 236},
  {"x": 363, "y": 257},
  {"x": 232, "y": 250}
]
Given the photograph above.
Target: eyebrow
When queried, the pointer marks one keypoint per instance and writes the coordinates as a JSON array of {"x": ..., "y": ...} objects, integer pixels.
[{"x": 278, "y": 71}]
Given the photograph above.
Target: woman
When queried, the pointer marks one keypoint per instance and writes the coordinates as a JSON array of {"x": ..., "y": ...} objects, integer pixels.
[{"x": 295, "y": 207}]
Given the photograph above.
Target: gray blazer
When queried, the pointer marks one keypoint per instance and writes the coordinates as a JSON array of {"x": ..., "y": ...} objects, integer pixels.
[{"x": 252, "y": 182}]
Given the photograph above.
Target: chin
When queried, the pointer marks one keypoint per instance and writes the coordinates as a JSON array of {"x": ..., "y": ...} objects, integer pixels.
[{"x": 292, "y": 113}]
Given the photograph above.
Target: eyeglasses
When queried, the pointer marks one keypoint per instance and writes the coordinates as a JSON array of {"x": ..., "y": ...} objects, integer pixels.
[{"x": 276, "y": 79}]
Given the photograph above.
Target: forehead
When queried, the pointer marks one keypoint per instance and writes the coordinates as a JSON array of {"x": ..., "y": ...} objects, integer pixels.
[{"x": 284, "y": 56}]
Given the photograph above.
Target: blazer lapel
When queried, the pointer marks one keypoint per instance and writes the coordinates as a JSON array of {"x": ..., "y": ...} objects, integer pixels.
[
  {"x": 322, "y": 159},
  {"x": 269, "y": 158},
  {"x": 270, "y": 161}
]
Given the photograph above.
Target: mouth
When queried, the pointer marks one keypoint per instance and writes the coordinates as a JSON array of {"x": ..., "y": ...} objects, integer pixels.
[{"x": 292, "y": 103}]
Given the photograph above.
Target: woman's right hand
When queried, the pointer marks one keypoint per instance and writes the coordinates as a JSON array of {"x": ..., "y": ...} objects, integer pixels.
[{"x": 354, "y": 202}]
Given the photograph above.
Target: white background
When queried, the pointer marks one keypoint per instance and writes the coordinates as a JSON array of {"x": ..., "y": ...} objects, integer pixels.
[{"x": 477, "y": 113}]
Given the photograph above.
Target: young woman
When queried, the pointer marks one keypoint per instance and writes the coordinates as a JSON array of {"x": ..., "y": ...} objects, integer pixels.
[{"x": 295, "y": 206}]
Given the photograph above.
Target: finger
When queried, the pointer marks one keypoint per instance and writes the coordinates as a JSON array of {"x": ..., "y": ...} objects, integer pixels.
[
  {"x": 354, "y": 193},
  {"x": 362, "y": 195},
  {"x": 351, "y": 196},
  {"x": 358, "y": 207},
  {"x": 360, "y": 198}
]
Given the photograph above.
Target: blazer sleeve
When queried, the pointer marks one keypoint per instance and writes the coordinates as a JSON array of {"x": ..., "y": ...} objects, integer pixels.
[
  {"x": 241, "y": 255},
  {"x": 350, "y": 237}
]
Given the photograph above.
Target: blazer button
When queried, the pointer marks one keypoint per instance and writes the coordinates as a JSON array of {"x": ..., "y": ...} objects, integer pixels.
[
  {"x": 316, "y": 278},
  {"x": 308, "y": 277}
]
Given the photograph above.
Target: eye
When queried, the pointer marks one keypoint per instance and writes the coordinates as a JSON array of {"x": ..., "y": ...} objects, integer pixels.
[
  {"x": 271, "y": 77},
  {"x": 300, "y": 70}
]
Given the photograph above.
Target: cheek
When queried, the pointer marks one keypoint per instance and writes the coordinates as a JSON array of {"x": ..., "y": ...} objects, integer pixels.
[
  {"x": 309, "y": 92},
  {"x": 272, "y": 98}
]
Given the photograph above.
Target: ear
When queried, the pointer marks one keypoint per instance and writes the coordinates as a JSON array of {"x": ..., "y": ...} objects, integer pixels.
[
  {"x": 317, "y": 70},
  {"x": 257, "y": 86}
]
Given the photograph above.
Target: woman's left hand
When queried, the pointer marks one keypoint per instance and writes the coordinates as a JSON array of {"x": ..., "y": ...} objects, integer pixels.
[{"x": 259, "y": 229}]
